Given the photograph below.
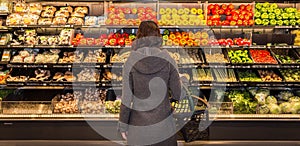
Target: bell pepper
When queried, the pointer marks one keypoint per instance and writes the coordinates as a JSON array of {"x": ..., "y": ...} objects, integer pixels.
[
  {"x": 279, "y": 22},
  {"x": 191, "y": 35},
  {"x": 273, "y": 22},
  {"x": 165, "y": 37},
  {"x": 183, "y": 42},
  {"x": 169, "y": 43},
  {"x": 176, "y": 42},
  {"x": 172, "y": 36},
  {"x": 197, "y": 42},
  {"x": 258, "y": 21},
  {"x": 257, "y": 14},
  {"x": 258, "y": 6},
  {"x": 197, "y": 35},
  {"x": 185, "y": 35},
  {"x": 190, "y": 42},
  {"x": 265, "y": 22}
]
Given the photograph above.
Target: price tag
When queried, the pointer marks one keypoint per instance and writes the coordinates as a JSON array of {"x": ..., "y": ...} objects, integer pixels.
[
  {"x": 25, "y": 66},
  {"x": 45, "y": 66},
  {"x": 69, "y": 66}
]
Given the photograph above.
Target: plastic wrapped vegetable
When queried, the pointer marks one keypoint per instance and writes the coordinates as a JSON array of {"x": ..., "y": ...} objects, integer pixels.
[
  {"x": 285, "y": 95},
  {"x": 274, "y": 108},
  {"x": 263, "y": 109},
  {"x": 271, "y": 100},
  {"x": 286, "y": 107},
  {"x": 294, "y": 99}
]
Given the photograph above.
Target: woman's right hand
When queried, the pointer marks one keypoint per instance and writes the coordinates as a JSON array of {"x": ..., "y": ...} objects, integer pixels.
[{"x": 124, "y": 135}]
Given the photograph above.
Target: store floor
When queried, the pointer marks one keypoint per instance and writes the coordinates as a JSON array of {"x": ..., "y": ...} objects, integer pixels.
[{"x": 107, "y": 143}]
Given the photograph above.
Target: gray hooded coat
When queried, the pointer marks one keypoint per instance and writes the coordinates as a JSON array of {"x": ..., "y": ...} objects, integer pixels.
[{"x": 148, "y": 76}]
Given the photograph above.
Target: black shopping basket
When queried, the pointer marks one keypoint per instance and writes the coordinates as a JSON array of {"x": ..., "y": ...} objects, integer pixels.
[{"x": 194, "y": 120}]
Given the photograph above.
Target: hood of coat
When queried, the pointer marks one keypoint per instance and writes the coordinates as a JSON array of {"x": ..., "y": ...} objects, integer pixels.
[{"x": 149, "y": 60}]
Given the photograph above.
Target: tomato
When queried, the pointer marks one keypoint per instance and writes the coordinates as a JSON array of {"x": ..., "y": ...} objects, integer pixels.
[{"x": 262, "y": 56}]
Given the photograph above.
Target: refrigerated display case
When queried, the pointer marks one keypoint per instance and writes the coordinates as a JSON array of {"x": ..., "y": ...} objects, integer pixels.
[{"x": 61, "y": 66}]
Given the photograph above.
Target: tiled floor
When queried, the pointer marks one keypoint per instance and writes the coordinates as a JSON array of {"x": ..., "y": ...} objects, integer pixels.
[{"x": 107, "y": 143}]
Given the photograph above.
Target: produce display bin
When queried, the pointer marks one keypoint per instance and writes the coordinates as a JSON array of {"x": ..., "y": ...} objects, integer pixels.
[
  {"x": 286, "y": 56},
  {"x": 26, "y": 107}
]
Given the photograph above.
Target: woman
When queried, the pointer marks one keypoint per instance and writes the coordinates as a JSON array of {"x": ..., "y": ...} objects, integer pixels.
[{"x": 148, "y": 76}]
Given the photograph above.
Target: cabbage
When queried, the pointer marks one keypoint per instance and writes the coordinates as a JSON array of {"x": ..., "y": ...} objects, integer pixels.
[
  {"x": 295, "y": 109},
  {"x": 274, "y": 108},
  {"x": 271, "y": 100},
  {"x": 286, "y": 107},
  {"x": 263, "y": 109}
]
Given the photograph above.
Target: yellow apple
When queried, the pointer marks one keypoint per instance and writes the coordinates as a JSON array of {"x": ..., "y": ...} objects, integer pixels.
[
  {"x": 186, "y": 11},
  {"x": 200, "y": 11},
  {"x": 168, "y": 10},
  {"x": 174, "y": 11},
  {"x": 162, "y": 11},
  {"x": 201, "y": 17},
  {"x": 194, "y": 11},
  {"x": 180, "y": 11}
]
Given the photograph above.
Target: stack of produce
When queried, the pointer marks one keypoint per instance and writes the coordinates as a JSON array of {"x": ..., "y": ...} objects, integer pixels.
[
  {"x": 202, "y": 75},
  {"x": 269, "y": 76},
  {"x": 270, "y": 14},
  {"x": 65, "y": 104},
  {"x": 262, "y": 56},
  {"x": 112, "y": 39},
  {"x": 182, "y": 16},
  {"x": 239, "y": 56},
  {"x": 31, "y": 57},
  {"x": 290, "y": 75},
  {"x": 35, "y": 13},
  {"x": 230, "y": 42},
  {"x": 119, "y": 15},
  {"x": 243, "y": 16},
  {"x": 185, "y": 38},
  {"x": 91, "y": 101},
  {"x": 287, "y": 59},
  {"x": 248, "y": 76},
  {"x": 242, "y": 102},
  {"x": 223, "y": 75},
  {"x": 113, "y": 106},
  {"x": 216, "y": 58},
  {"x": 288, "y": 103}
]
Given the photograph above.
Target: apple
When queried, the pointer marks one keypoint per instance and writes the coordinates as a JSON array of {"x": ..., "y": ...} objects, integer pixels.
[
  {"x": 108, "y": 22},
  {"x": 148, "y": 10},
  {"x": 127, "y": 10},
  {"x": 116, "y": 21},
  {"x": 121, "y": 15},
  {"x": 194, "y": 11},
  {"x": 123, "y": 22},
  {"x": 134, "y": 10},
  {"x": 204, "y": 35},
  {"x": 104, "y": 42},
  {"x": 197, "y": 42},
  {"x": 141, "y": 10},
  {"x": 190, "y": 42},
  {"x": 112, "y": 16}
]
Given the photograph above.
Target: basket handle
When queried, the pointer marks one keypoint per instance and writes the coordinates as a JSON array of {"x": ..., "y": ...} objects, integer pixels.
[{"x": 202, "y": 100}]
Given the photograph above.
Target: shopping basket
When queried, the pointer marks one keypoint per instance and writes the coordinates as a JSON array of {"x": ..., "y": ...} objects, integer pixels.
[{"x": 191, "y": 122}]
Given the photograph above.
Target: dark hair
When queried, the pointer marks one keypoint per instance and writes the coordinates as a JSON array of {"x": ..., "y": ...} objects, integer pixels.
[{"x": 148, "y": 35}]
